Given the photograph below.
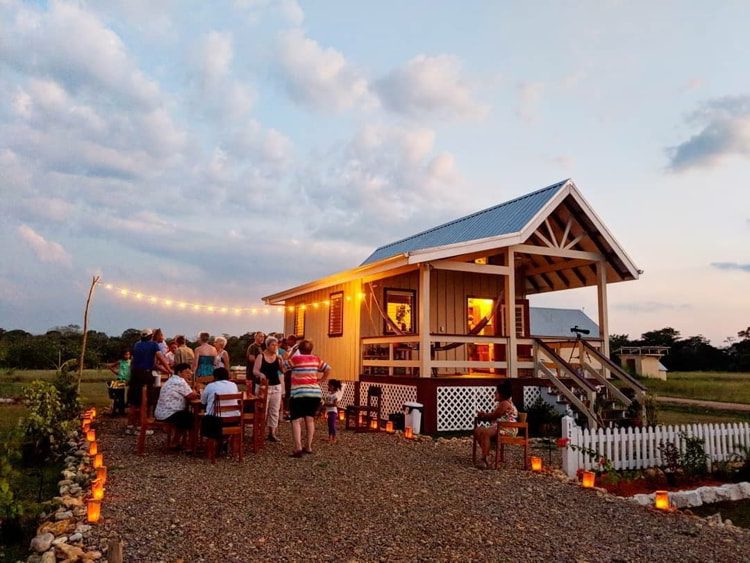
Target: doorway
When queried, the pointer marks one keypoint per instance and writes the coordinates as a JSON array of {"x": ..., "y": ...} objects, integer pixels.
[{"x": 476, "y": 310}]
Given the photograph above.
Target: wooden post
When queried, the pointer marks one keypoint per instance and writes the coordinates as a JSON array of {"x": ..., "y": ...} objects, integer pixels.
[
  {"x": 601, "y": 286},
  {"x": 425, "y": 363},
  {"x": 94, "y": 281},
  {"x": 510, "y": 315},
  {"x": 114, "y": 554}
]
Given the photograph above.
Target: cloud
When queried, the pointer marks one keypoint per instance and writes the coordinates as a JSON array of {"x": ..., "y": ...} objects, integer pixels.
[
  {"x": 731, "y": 266},
  {"x": 429, "y": 85},
  {"x": 725, "y": 132},
  {"x": 73, "y": 47},
  {"x": 385, "y": 171},
  {"x": 46, "y": 251},
  {"x": 529, "y": 97},
  {"x": 320, "y": 77}
]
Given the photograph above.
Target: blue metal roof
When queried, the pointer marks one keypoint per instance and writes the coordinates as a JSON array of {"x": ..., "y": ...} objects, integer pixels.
[
  {"x": 546, "y": 321},
  {"x": 506, "y": 218}
]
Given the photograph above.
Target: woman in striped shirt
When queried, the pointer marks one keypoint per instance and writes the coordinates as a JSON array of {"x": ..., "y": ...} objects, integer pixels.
[{"x": 305, "y": 395}]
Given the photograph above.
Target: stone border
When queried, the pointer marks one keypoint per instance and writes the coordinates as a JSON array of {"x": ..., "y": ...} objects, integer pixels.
[
  {"x": 700, "y": 496},
  {"x": 62, "y": 534}
]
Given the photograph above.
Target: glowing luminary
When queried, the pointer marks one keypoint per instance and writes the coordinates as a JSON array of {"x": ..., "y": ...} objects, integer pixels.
[
  {"x": 91, "y": 436},
  {"x": 98, "y": 461},
  {"x": 101, "y": 474},
  {"x": 97, "y": 490},
  {"x": 661, "y": 500},
  {"x": 587, "y": 479},
  {"x": 389, "y": 427},
  {"x": 408, "y": 433},
  {"x": 92, "y": 448},
  {"x": 93, "y": 510},
  {"x": 342, "y": 416},
  {"x": 536, "y": 463}
]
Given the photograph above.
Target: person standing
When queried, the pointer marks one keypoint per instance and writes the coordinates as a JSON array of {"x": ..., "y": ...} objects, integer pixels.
[
  {"x": 267, "y": 368},
  {"x": 146, "y": 356},
  {"x": 171, "y": 348},
  {"x": 305, "y": 395},
  {"x": 253, "y": 351},
  {"x": 183, "y": 354},
  {"x": 222, "y": 356},
  {"x": 205, "y": 355}
]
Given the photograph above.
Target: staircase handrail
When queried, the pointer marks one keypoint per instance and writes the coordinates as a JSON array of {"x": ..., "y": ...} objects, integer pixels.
[
  {"x": 556, "y": 358},
  {"x": 615, "y": 369},
  {"x": 569, "y": 395}
]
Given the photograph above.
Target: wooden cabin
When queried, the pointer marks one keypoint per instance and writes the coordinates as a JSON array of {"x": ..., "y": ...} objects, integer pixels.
[{"x": 442, "y": 316}]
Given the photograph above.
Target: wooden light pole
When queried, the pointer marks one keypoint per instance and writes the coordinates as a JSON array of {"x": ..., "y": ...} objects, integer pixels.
[{"x": 94, "y": 281}]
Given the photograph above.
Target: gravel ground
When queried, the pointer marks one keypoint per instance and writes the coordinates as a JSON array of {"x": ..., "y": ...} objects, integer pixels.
[{"x": 378, "y": 497}]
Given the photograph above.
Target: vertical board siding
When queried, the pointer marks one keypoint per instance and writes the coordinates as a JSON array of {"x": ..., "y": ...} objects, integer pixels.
[{"x": 638, "y": 448}]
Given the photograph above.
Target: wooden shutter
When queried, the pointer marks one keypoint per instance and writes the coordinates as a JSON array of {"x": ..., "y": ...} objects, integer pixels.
[
  {"x": 299, "y": 321},
  {"x": 336, "y": 314}
]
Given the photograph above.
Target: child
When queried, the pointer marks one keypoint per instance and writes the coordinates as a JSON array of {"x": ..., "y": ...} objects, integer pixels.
[
  {"x": 332, "y": 411},
  {"x": 121, "y": 369}
]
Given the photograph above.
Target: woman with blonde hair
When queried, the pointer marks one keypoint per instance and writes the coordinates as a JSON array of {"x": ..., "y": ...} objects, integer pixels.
[{"x": 222, "y": 356}]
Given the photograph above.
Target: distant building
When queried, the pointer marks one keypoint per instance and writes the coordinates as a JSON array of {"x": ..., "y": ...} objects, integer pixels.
[{"x": 644, "y": 360}]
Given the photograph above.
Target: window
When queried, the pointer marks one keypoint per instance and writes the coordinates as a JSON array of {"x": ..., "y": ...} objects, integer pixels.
[
  {"x": 400, "y": 308},
  {"x": 299, "y": 321},
  {"x": 336, "y": 314}
]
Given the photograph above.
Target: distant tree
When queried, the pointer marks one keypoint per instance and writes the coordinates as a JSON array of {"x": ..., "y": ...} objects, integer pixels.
[
  {"x": 662, "y": 337},
  {"x": 744, "y": 334},
  {"x": 617, "y": 341}
]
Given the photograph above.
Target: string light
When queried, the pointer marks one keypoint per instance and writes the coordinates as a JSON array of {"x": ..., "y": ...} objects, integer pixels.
[{"x": 222, "y": 309}]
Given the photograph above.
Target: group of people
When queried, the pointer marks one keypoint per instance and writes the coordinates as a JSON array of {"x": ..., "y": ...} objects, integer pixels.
[{"x": 270, "y": 359}]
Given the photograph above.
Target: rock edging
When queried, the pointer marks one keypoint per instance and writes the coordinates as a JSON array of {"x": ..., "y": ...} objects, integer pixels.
[{"x": 700, "y": 496}]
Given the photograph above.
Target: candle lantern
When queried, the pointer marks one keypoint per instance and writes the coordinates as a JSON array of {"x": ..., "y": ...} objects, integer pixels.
[
  {"x": 93, "y": 510},
  {"x": 661, "y": 500},
  {"x": 91, "y": 436},
  {"x": 342, "y": 416},
  {"x": 408, "y": 432},
  {"x": 361, "y": 420},
  {"x": 374, "y": 424},
  {"x": 97, "y": 490},
  {"x": 536, "y": 463},
  {"x": 92, "y": 448},
  {"x": 587, "y": 479},
  {"x": 101, "y": 474},
  {"x": 389, "y": 427},
  {"x": 98, "y": 461}
]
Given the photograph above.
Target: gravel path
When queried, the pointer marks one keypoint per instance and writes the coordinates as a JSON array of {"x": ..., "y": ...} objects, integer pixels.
[{"x": 378, "y": 497}]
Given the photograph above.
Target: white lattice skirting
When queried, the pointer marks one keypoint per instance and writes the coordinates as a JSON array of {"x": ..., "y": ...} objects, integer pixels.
[
  {"x": 394, "y": 396},
  {"x": 457, "y": 406}
]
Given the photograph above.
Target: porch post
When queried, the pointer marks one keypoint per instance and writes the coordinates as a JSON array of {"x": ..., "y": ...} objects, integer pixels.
[
  {"x": 510, "y": 315},
  {"x": 601, "y": 286},
  {"x": 425, "y": 363}
]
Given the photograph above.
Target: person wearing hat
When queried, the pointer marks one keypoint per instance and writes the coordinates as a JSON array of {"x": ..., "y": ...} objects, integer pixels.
[{"x": 146, "y": 357}]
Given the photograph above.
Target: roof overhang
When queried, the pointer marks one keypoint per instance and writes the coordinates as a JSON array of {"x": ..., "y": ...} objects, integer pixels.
[{"x": 386, "y": 265}]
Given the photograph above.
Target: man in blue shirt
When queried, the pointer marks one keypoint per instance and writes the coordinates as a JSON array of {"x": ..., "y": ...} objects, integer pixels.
[{"x": 146, "y": 357}]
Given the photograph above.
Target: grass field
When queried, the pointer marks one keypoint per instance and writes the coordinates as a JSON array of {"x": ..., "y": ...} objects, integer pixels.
[
  {"x": 691, "y": 415},
  {"x": 709, "y": 386}
]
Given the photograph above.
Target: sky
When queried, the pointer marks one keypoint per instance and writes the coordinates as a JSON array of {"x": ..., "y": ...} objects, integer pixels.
[{"x": 219, "y": 152}]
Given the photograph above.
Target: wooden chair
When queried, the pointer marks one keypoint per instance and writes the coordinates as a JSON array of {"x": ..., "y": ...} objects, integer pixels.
[
  {"x": 372, "y": 408},
  {"x": 501, "y": 440},
  {"x": 232, "y": 427},
  {"x": 149, "y": 398},
  {"x": 257, "y": 418}
]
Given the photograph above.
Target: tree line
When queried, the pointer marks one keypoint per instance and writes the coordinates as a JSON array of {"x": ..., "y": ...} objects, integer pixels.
[
  {"x": 22, "y": 350},
  {"x": 694, "y": 353}
]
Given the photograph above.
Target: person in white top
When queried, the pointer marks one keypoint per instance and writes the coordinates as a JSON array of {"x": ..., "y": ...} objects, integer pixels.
[
  {"x": 172, "y": 406},
  {"x": 211, "y": 423},
  {"x": 222, "y": 356},
  {"x": 333, "y": 397}
]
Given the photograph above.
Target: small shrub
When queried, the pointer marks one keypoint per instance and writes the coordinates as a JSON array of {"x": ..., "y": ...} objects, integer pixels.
[
  {"x": 652, "y": 409},
  {"x": 670, "y": 454},
  {"x": 44, "y": 428},
  {"x": 694, "y": 458}
]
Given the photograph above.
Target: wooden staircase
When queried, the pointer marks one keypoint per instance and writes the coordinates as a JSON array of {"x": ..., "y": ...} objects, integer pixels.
[{"x": 587, "y": 385}]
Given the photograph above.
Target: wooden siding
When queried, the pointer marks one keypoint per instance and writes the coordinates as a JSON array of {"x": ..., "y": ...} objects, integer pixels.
[{"x": 341, "y": 352}]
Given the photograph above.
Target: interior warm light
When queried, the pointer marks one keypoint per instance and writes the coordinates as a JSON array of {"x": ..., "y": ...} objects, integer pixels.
[
  {"x": 536, "y": 463},
  {"x": 93, "y": 511},
  {"x": 661, "y": 500}
]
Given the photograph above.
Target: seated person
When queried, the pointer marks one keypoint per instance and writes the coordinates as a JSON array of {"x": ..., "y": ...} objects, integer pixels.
[
  {"x": 505, "y": 411},
  {"x": 211, "y": 424},
  {"x": 172, "y": 406}
]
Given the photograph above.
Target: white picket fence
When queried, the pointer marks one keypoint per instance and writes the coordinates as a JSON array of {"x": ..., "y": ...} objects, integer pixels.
[{"x": 638, "y": 448}]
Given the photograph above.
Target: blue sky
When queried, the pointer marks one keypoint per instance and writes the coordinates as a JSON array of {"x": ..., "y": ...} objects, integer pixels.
[{"x": 220, "y": 152}]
